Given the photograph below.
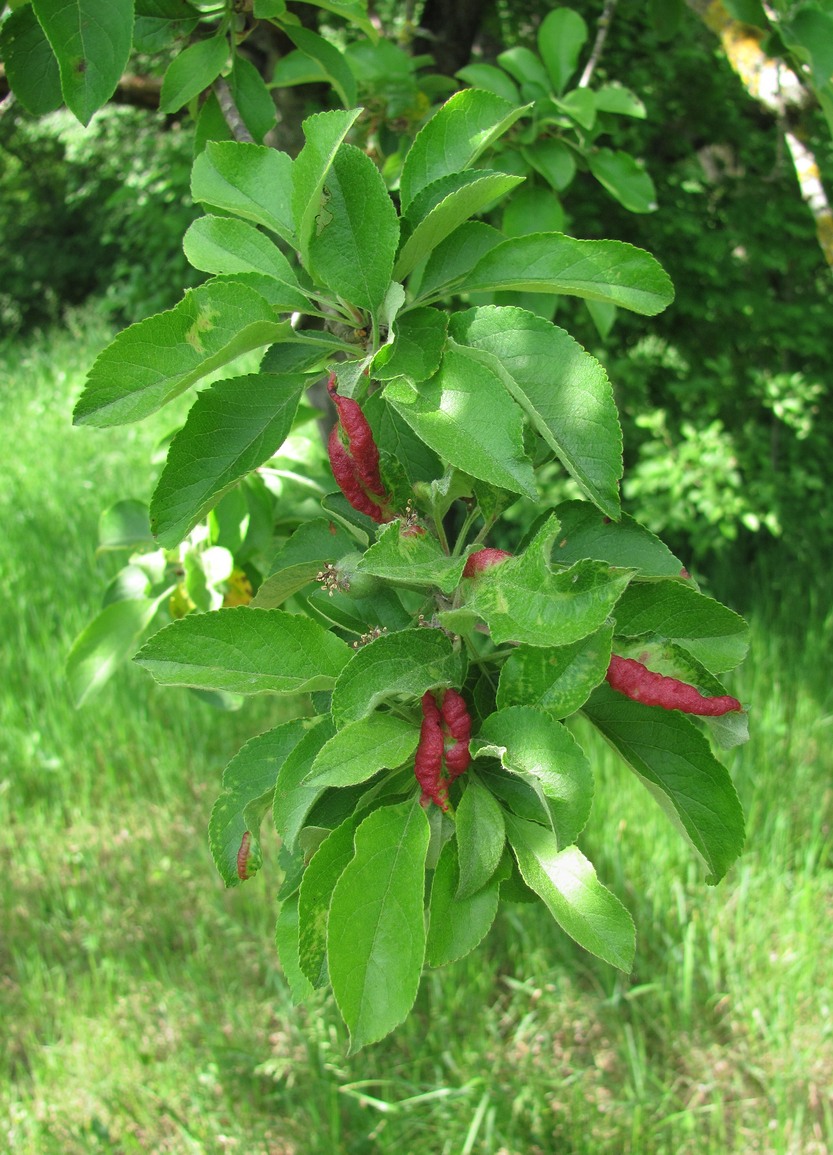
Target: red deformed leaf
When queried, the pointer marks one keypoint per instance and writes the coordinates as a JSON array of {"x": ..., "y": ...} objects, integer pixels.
[{"x": 640, "y": 684}]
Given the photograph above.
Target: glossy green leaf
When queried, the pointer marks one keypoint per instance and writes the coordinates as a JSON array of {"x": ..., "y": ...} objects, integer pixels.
[
  {"x": 458, "y": 923},
  {"x": 530, "y": 210},
  {"x": 411, "y": 556},
  {"x": 480, "y": 838},
  {"x": 416, "y": 350},
  {"x": 293, "y": 799},
  {"x": 624, "y": 178},
  {"x": 488, "y": 78},
  {"x": 353, "y": 11},
  {"x": 530, "y": 742},
  {"x": 248, "y": 788},
  {"x": 558, "y": 680},
  {"x": 476, "y": 193},
  {"x": 562, "y": 388},
  {"x": 156, "y": 359},
  {"x": 672, "y": 757},
  {"x": 225, "y": 245},
  {"x": 232, "y": 428},
  {"x": 125, "y": 525},
  {"x": 320, "y": 877},
  {"x": 523, "y": 600},
  {"x": 323, "y": 134},
  {"x": 452, "y": 140},
  {"x": 247, "y": 651},
  {"x": 286, "y": 945},
  {"x": 362, "y": 748},
  {"x": 356, "y": 234},
  {"x": 587, "y": 533},
  {"x": 456, "y": 256},
  {"x": 561, "y": 36},
  {"x": 31, "y": 67},
  {"x": 597, "y": 270},
  {"x": 567, "y": 883},
  {"x": 466, "y": 416},
  {"x": 110, "y": 639},
  {"x": 714, "y": 634},
  {"x": 250, "y": 181},
  {"x": 553, "y": 160},
  {"x": 192, "y": 71},
  {"x": 399, "y": 666},
  {"x": 252, "y": 97},
  {"x": 617, "y": 99},
  {"x": 159, "y": 23},
  {"x": 527, "y": 69},
  {"x": 329, "y": 59},
  {"x": 91, "y": 40},
  {"x": 307, "y": 551},
  {"x": 376, "y": 929}
]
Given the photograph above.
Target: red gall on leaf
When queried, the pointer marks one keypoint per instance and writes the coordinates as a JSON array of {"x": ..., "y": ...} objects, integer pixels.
[
  {"x": 243, "y": 857},
  {"x": 449, "y": 720},
  {"x": 483, "y": 559},
  {"x": 640, "y": 684}
]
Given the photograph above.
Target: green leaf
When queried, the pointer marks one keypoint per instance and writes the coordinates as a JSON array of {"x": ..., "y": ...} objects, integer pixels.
[
  {"x": 458, "y": 923},
  {"x": 813, "y": 30},
  {"x": 553, "y": 160},
  {"x": 416, "y": 349},
  {"x": 252, "y": 97},
  {"x": 399, "y": 666},
  {"x": 617, "y": 99},
  {"x": 248, "y": 788},
  {"x": 362, "y": 748},
  {"x": 110, "y": 639},
  {"x": 567, "y": 883},
  {"x": 580, "y": 106},
  {"x": 466, "y": 416},
  {"x": 91, "y": 40},
  {"x": 624, "y": 178},
  {"x": 522, "y": 600},
  {"x": 530, "y": 742},
  {"x": 224, "y": 245},
  {"x": 561, "y": 36},
  {"x": 558, "y": 680},
  {"x": 376, "y": 930},
  {"x": 192, "y": 71},
  {"x": 673, "y": 759},
  {"x": 398, "y": 441},
  {"x": 249, "y": 181},
  {"x": 521, "y": 795},
  {"x": 232, "y": 428},
  {"x": 530, "y": 210},
  {"x": 353, "y": 11},
  {"x": 311, "y": 546},
  {"x": 586, "y": 533},
  {"x": 455, "y": 257},
  {"x": 411, "y": 556},
  {"x": 480, "y": 838},
  {"x": 320, "y": 877},
  {"x": 328, "y": 57},
  {"x": 161, "y": 22},
  {"x": 596, "y": 270},
  {"x": 452, "y": 140},
  {"x": 527, "y": 69},
  {"x": 293, "y": 799},
  {"x": 563, "y": 389},
  {"x": 297, "y": 68},
  {"x": 155, "y": 360},
  {"x": 477, "y": 192},
  {"x": 31, "y": 67},
  {"x": 286, "y": 944},
  {"x": 247, "y": 651},
  {"x": 714, "y": 634},
  {"x": 323, "y": 134},
  {"x": 490, "y": 79},
  {"x": 125, "y": 525},
  {"x": 356, "y": 231}
]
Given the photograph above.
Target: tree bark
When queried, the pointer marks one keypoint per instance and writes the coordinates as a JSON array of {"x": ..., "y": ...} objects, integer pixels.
[{"x": 777, "y": 88}]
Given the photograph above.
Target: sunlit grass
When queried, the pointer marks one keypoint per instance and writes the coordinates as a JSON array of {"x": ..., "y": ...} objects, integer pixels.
[{"x": 141, "y": 1005}]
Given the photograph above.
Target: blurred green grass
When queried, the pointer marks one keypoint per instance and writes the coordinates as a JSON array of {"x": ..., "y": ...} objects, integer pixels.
[{"x": 142, "y": 1008}]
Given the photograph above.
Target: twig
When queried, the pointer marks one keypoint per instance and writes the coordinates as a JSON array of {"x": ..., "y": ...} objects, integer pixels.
[
  {"x": 602, "y": 29},
  {"x": 231, "y": 112}
]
